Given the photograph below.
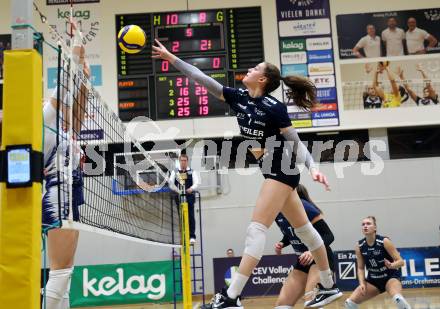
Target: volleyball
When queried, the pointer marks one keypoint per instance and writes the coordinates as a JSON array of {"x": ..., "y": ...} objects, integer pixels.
[{"x": 132, "y": 39}]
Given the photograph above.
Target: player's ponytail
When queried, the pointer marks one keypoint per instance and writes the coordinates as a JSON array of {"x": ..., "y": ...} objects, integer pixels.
[
  {"x": 304, "y": 194},
  {"x": 301, "y": 90}
]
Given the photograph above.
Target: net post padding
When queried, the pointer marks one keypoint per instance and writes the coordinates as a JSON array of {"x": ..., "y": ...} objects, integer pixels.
[{"x": 20, "y": 210}]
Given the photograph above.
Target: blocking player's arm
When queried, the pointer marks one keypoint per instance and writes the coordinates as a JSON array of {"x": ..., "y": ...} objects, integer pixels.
[
  {"x": 392, "y": 79},
  {"x": 431, "y": 90},
  {"x": 392, "y": 251},
  {"x": 213, "y": 86},
  {"x": 360, "y": 265},
  {"x": 376, "y": 86},
  {"x": 407, "y": 87}
]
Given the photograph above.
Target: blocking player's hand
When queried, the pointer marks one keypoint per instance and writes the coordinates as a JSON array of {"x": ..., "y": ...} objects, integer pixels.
[{"x": 278, "y": 248}]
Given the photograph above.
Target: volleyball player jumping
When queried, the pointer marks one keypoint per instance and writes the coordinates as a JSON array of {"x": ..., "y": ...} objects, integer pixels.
[
  {"x": 62, "y": 243},
  {"x": 383, "y": 262},
  {"x": 264, "y": 120}
]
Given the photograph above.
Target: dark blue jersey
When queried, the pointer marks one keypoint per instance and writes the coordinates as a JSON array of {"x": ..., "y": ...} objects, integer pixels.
[
  {"x": 374, "y": 258},
  {"x": 258, "y": 118},
  {"x": 288, "y": 231}
]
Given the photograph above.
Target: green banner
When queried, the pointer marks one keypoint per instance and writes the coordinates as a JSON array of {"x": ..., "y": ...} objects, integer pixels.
[
  {"x": 116, "y": 284},
  {"x": 292, "y": 45}
]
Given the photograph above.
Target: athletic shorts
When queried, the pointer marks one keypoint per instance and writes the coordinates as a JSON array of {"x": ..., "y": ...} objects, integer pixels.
[
  {"x": 51, "y": 215},
  {"x": 306, "y": 268},
  {"x": 381, "y": 283},
  {"x": 276, "y": 172}
]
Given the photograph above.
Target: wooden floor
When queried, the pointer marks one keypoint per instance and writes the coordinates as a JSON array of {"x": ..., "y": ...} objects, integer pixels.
[{"x": 418, "y": 298}]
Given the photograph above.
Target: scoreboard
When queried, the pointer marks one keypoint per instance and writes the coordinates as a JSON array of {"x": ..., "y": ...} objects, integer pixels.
[{"x": 223, "y": 43}]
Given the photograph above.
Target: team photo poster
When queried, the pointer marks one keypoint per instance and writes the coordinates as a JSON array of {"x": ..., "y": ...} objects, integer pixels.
[{"x": 388, "y": 34}]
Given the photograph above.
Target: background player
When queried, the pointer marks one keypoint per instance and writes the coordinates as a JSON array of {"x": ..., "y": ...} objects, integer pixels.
[
  {"x": 305, "y": 275},
  {"x": 62, "y": 243},
  {"x": 265, "y": 120},
  {"x": 383, "y": 262}
]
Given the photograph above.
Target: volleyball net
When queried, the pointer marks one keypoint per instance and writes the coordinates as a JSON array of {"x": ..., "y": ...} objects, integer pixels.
[{"x": 107, "y": 181}]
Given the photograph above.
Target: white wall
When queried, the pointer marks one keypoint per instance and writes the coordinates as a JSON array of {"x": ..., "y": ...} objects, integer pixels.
[{"x": 404, "y": 198}]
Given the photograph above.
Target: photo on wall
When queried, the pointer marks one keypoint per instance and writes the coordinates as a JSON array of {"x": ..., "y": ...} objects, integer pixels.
[
  {"x": 388, "y": 34},
  {"x": 391, "y": 84}
]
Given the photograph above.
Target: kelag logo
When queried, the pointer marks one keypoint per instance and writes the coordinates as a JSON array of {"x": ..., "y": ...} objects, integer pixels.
[
  {"x": 318, "y": 56},
  {"x": 122, "y": 284},
  {"x": 86, "y": 22},
  {"x": 293, "y": 45}
]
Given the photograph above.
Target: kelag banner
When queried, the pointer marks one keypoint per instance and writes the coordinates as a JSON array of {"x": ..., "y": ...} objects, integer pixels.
[
  {"x": 116, "y": 284},
  {"x": 267, "y": 278},
  {"x": 421, "y": 269},
  {"x": 306, "y": 49}
]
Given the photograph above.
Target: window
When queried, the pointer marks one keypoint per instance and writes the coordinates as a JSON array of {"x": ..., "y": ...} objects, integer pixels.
[{"x": 414, "y": 142}]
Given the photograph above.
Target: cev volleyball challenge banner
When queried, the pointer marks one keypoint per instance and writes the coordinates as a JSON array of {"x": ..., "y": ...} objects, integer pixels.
[
  {"x": 306, "y": 49},
  {"x": 421, "y": 270}
]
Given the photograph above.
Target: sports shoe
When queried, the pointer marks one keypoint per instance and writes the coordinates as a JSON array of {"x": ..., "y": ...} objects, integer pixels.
[
  {"x": 324, "y": 296},
  {"x": 222, "y": 301},
  {"x": 192, "y": 241}
]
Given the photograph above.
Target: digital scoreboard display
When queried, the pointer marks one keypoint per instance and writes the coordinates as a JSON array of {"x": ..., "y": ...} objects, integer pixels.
[{"x": 223, "y": 43}]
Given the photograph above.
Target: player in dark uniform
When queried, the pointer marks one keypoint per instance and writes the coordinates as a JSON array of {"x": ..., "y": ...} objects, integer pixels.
[
  {"x": 430, "y": 96},
  {"x": 305, "y": 275},
  {"x": 265, "y": 122},
  {"x": 383, "y": 262},
  {"x": 371, "y": 99}
]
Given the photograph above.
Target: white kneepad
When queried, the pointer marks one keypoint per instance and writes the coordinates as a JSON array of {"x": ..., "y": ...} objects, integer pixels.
[
  {"x": 350, "y": 305},
  {"x": 309, "y": 236},
  {"x": 58, "y": 283},
  {"x": 255, "y": 240}
]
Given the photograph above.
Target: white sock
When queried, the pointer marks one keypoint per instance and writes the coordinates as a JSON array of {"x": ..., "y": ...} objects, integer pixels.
[
  {"x": 283, "y": 307},
  {"x": 349, "y": 304},
  {"x": 66, "y": 297},
  {"x": 237, "y": 285},
  {"x": 326, "y": 278},
  {"x": 401, "y": 302}
]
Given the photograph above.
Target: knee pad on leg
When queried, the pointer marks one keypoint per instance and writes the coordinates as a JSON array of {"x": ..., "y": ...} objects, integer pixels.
[
  {"x": 255, "y": 240},
  {"x": 58, "y": 283},
  {"x": 401, "y": 302},
  {"x": 309, "y": 236},
  {"x": 349, "y": 304}
]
